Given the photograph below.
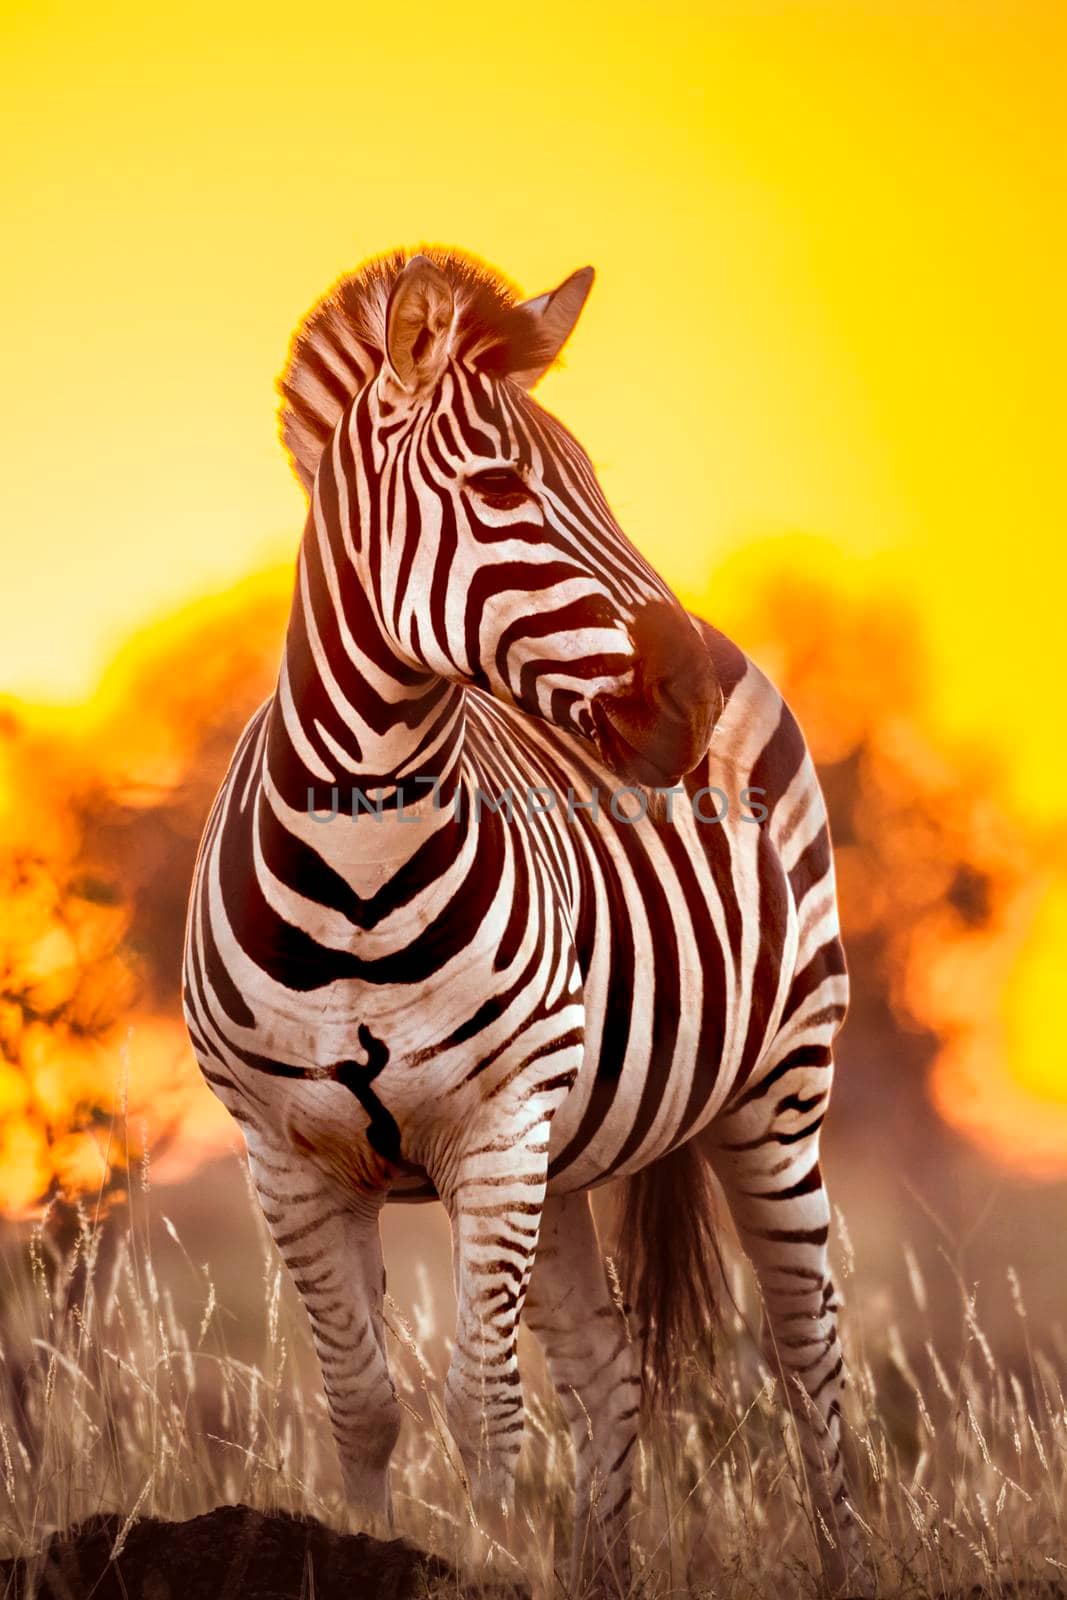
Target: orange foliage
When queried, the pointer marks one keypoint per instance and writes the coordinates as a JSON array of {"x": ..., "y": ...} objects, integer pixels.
[
  {"x": 78, "y": 1051},
  {"x": 67, "y": 982}
]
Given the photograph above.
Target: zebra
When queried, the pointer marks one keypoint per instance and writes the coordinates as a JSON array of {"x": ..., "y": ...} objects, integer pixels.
[{"x": 420, "y": 992}]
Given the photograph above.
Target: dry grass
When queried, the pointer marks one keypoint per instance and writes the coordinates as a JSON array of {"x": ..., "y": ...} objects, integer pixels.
[{"x": 120, "y": 1393}]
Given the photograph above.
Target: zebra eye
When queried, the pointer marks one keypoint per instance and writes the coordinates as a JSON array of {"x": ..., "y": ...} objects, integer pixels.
[{"x": 503, "y": 486}]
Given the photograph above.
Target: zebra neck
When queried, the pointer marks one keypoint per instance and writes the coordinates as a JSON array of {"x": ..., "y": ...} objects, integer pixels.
[{"x": 363, "y": 751}]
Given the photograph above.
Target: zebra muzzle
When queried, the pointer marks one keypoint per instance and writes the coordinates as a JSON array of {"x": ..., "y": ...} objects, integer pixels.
[{"x": 659, "y": 728}]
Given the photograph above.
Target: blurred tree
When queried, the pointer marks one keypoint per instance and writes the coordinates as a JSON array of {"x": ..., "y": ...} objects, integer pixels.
[
  {"x": 68, "y": 980},
  {"x": 169, "y": 714}
]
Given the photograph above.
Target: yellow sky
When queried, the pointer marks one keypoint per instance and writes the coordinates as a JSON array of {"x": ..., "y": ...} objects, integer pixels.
[{"x": 830, "y": 246}]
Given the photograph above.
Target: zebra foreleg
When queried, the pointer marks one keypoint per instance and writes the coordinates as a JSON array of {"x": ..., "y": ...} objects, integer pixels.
[
  {"x": 329, "y": 1240},
  {"x": 775, "y": 1192},
  {"x": 494, "y": 1203},
  {"x": 596, "y": 1370}
]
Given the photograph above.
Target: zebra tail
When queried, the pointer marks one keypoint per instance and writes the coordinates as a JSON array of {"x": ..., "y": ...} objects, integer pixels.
[{"x": 670, "y": 1266}]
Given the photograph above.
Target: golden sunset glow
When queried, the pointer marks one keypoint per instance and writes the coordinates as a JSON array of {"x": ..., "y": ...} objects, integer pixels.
[{"x": 826, "y": 341}]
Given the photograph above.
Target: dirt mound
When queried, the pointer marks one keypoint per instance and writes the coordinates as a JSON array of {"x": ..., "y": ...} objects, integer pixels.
[{"x": 231, "y": 1553}]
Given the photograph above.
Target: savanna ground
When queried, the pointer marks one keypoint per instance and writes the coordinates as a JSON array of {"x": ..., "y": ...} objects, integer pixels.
[{"x": 156, "y": 1364}]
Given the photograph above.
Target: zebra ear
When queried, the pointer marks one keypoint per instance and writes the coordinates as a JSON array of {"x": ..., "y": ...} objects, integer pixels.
[
  {"x": 555, "y": 314},
  {"x": 418, "y": 323}
]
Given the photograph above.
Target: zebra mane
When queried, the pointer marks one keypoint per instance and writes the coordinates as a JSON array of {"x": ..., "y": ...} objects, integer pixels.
[{"x": 340, "y": 344}]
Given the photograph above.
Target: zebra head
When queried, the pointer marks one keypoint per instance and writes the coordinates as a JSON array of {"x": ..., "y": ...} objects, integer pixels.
[{"x": 478, "y": 527}]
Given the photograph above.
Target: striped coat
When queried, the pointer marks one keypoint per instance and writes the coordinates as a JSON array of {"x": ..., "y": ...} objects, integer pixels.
[{"x": 520, "y": 882}]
